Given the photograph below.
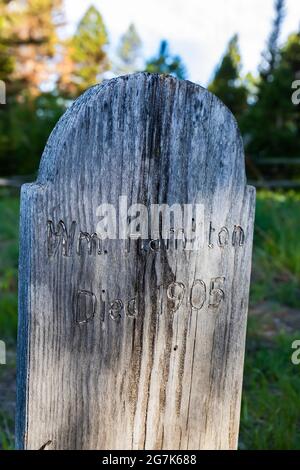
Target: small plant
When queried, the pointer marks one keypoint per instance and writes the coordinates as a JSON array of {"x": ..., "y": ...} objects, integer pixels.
[{"x": 6, "y": 432}]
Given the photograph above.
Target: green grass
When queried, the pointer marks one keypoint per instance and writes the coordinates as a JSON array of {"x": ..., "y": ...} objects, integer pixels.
[
  {"x": 7, "y": 393},
  {"x": 6, "y": 431},
  {"x": 9, "y": 228},
  {"x": 270, "y": 416},
  {"x": 276, "y": 257}
]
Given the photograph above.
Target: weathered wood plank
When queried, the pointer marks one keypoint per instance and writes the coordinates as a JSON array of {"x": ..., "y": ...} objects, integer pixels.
[{"x": 164, "y": 372}]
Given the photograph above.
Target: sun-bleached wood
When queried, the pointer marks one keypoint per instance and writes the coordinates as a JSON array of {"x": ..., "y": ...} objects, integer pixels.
[{"x": 159, "y": 378}]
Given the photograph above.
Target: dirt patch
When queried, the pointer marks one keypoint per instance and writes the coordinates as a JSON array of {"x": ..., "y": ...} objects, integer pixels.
[{"x": 274, "y": 318}]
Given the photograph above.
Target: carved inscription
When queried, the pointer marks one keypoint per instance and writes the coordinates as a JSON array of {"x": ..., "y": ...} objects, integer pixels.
[
  {"x": 73, "y": 241},
  {"x": 199, "y": 296},
  {"x": 86, "y": 303},
  {"x": 66, "y": 238}
]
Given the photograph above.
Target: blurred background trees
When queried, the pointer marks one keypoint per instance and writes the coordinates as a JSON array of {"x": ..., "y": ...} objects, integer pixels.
[
  {"x": 227, "y": 83},
  {"x": 29, "y": 34},
  {"x": 272, "y": 124},
  {"x": 166, "y": 63},
  {"x": 273, "y": 121},
  {"x": 28, "y": 38},
  {"x": 129, "y": 52},
  {"x": 84, "y": 58},
  {"x": 44, "y": 71},
  {"x": 269, "y": 121}
]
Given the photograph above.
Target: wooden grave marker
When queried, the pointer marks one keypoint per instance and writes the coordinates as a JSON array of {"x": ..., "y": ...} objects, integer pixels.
[{"x": 130, "y": 343}]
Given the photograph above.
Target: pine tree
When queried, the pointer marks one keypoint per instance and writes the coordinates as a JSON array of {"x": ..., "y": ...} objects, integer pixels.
[
  {"x": 165, "y": 63},
  {"x": 272, "y": 124},
  {"x": 28, "y": 33},
  {"x": 85, "y": 58},
  {"x": 271, "y": 56},
  {"x": 6, "y": 59},
  {"x": 227, "y": 83},
  {"x": 28, "y": 43},
  {"x": 274, "y": 121},
  {"x": 129, "y": 51}
]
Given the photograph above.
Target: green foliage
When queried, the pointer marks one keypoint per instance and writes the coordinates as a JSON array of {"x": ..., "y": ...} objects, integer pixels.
[
  {"x": 9, "y": 228},
  {"x": 7, "y": 62},
  {"x": 87, "y": 51},
  {"x": 270, "y": 407},
  {"x": 227, "y": 83},
  {"x": 271, "y": 56},
  {"x": 276, "y": 264},
  {"x": 271, "y": 402},
  {"x": 129, "y": 51},
  {"x": 272, "y": 124},
  {"x": 28, "y": 39},
  {"x": 6, "y": 432},
  {"x": 165, "y": 63},
  {"x": 25, "y": 125},
  {"x": 269, "y": 121}
]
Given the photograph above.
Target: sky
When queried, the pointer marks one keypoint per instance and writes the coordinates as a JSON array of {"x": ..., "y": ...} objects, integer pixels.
[{"x": 198, "y": 30}]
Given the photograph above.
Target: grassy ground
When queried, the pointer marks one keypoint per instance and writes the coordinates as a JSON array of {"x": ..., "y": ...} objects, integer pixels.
[
  {"x": 271, "y": 402},
  {"x": 270, "y": 416},
  {"x": 9, "y": 208}
]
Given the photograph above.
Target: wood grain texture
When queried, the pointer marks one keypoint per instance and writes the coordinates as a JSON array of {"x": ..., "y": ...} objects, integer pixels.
[{"x": 158, "y": 379}]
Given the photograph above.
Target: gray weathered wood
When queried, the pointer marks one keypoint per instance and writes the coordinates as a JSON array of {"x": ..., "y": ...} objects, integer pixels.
[{"x": 158, "y": 378}]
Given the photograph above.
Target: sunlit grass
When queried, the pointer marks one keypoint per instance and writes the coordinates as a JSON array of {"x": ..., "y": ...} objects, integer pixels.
[
  {"x": 276, "y": 257},
  {"x": 9, "y": 228},
  {"x": 270, "y": 417}
]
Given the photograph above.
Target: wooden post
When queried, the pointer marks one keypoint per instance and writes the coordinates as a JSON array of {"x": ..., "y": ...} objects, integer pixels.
[{"x": 127, "y": 343}]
